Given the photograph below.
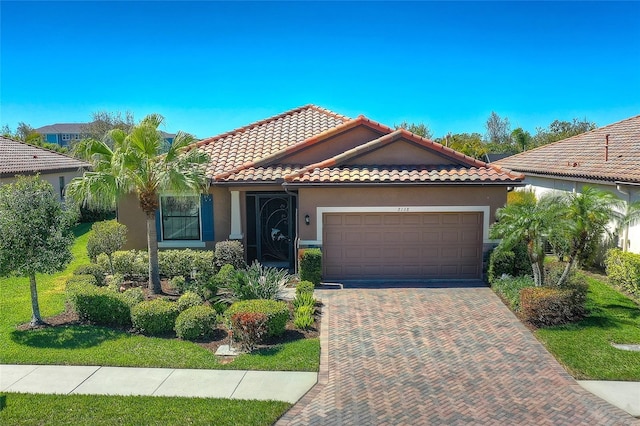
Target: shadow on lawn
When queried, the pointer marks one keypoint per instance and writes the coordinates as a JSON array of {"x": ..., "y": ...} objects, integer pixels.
[{"x": 65, "y": 337}]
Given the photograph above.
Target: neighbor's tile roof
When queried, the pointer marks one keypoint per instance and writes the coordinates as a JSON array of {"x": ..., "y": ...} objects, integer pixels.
[
  {"x": 583, "y": 156},
  {"x": 264, "y": 138},
  {"x": 403, "y": 174},
  {"x": 18, "y": 157}
]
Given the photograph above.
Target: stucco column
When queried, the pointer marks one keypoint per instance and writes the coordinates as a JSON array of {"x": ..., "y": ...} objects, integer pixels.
[{"x": 236, "y": 222}]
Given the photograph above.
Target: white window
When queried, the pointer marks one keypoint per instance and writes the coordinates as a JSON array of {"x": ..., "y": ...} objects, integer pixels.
[
  {"x": 180, "y": 217},
  {"x": 66, "y": 137}
]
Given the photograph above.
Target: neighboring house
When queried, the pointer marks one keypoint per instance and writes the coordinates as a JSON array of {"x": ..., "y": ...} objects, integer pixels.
[
  {"x": 65, "y": 133},
  {"x": 607, "y": 158},
  {"x": 380, "y": 203},
  {"x": 19, "y": 158}
]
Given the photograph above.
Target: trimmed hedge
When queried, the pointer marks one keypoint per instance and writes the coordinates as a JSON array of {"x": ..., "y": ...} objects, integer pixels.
[
  {"x": 172, "y": 263},
  {"x": 230, "y": 253},
  {"x": 249, "y": 328},
  {"x": 304, "y": 287},
  {"x": 188, "y": 300},
  {"x": 546, "y": 306},
  {"x": 92, "y": 269},
  {"x": 311, "y": 265},
  {"x": 277, "y": 313},
  {"x": 623, "y": 269},
  {"x": 154, "y": 317},
  {"x": 130, "y": 263},
  {"x": 98, "y": 305},
  {"x": 195, "y": 322}
]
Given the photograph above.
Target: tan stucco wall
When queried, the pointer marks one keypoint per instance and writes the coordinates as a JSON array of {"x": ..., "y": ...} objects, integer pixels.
[
  {"x": 309, "y": 199},
  {"x": 52, "y": 178}
]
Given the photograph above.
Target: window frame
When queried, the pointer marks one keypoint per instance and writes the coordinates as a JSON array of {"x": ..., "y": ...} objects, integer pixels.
[{"x": 180, "y": 241}]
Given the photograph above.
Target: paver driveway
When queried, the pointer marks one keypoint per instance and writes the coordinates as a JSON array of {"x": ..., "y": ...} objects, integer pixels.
[{"x": 414, "y": 356}]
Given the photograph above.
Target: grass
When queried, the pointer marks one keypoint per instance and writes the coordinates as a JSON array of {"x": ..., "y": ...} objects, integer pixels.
[
  {"x": 89, "y": 345},
  {"x": 584, "y": 348},
  {"x": 23, "y": 409}
]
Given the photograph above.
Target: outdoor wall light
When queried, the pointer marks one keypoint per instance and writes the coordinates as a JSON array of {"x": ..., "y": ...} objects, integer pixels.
[{"x": 307, "y": 219}]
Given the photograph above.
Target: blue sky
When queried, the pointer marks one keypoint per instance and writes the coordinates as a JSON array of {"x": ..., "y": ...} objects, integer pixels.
[{"x": 209, "y": 67}]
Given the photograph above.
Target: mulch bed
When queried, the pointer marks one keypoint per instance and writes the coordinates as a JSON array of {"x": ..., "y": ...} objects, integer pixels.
[{"x": 219, "y": 337}]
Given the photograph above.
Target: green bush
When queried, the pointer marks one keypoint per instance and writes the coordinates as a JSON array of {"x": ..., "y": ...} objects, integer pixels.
[
  {"x": 133, "y": 296},
  {"x": 107, "y": 237},
  {"x": 131, "y": 263},
  {"x": 179, "y": 283},
  {"x": 230, "y": 253},
  {"x": 304, "y": 287},
  {"x": 509, "y": 289},
  {"x": 255, "y": 282},
  {"x": 81, "y": 279},
  {"x": 277, "y": 313},
  {"x": 546, "y": 306},
  {"x": 623, "y": 269},
  {"x": 97, "y": 305},
  {"x": 303, "y": 317},
  {"x": 172, "y": 263},
  {"x": 304, "y": 299},
  {"x": 513, "y": 262},
  {"x": 91, "y": 269},
  {"x": 115, "y": 281},
  {"x": 249, "y": 328},
  {"x": 195, "y": 322},
  {"x": 188, "y": 300},
  {"x": 154, "y": 317},
  {"x": 311, "y": 265}
]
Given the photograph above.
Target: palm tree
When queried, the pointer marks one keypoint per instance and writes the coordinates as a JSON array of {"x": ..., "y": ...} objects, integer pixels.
[
  {"x": 587, "y": 215},
  {"x": 530, "y": 221},
  {"x": 135, "y": 165}
]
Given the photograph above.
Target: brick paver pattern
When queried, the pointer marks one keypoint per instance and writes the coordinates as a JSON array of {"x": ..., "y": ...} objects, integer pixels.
[{"x": 431, "y": 356}]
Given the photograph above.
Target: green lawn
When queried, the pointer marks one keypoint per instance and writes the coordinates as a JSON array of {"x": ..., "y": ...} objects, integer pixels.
[
  {"x": 23, "y": 409},
  {"x": 584, "y": 348},
  {"x": 87, "y": 345}
]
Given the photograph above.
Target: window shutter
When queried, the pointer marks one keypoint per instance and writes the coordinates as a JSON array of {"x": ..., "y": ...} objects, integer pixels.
[
  {"x": 206, "y": 214},
  {"x": 158, "y": 225}
]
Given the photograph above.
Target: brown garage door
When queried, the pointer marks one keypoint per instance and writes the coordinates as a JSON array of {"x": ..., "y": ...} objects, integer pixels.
[{"x": 402, "y": 245}]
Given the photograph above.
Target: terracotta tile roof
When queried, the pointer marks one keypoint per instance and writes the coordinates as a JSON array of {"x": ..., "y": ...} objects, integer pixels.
[
  {"x": 18, "y": 157},
  {"x": 249, "y": 144},
  {"x": 403, "y": 174},
  {"x": 586, "y": 156},
  {"x": 267, "y": 174}
]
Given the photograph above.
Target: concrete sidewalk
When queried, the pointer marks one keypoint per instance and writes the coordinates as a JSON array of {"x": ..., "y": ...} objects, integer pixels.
[
  {"x": 624, "y": 395},
  {"x": 288, "y": 386}
]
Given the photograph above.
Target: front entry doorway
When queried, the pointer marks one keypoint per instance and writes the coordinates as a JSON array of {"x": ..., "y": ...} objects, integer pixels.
[{"x": 271, "y": 229}]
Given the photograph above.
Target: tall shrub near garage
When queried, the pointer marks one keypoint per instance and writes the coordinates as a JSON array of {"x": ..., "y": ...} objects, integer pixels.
[
  {"x": 311, "y": 265},
  {"x": 623, "y": 269}
]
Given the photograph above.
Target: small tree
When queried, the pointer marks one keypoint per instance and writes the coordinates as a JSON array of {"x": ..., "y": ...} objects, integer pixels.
[
  {"x": 36, "y": 233},
  {"x": 108, "y": 237}
]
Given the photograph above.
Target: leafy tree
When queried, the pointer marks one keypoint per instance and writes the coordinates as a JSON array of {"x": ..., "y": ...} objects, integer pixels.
[
  {"x": 419, "y": 129},
  {"x": 559, "y": 130},
  {"x": 36, "y": 233},
  {"x": 521, "y": 139},
  {"x": 467, "y": 143},
  {"x": 527, "y": 220},
  {"x": 498, "y": 135},
  {"x": 134, "y": 166},
  {"x": 586, "y": 216},
  {"x": 108, "y": 237},
  {"x": 103, "y": 122}
]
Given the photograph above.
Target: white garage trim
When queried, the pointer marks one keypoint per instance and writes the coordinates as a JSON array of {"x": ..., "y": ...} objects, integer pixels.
[{"x": 401, "y": 209}]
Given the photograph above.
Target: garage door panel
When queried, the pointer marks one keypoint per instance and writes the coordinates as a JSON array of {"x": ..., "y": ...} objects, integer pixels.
[{"x": 402, "y": 245}]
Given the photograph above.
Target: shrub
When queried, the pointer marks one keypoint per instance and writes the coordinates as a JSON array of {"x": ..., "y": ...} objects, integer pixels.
[
  {"x": 188, "y": 300},
  {"x": 249, "y": 328},
  {"x": 255, "y": 282},
  {"x": 91, "y": 269},
  {"x": 107, "y": 237},
  {"x": 230, "y": 253},
  {"x": 203, "y": 262},
  {"x": 173, "y": 263},
  {"x": 195, "y": 322},
  {"x": 303, "y": 317},
  {"x": 304, "y": 299},
  {"x": 513, "y": 262},
  {"x": 133, "y": 296},
  {"x": 103, "y": 261},
  {"x": 115, "y": 281},
  {"x": 509, "y": 289},
  {"x": 311, "y": 265},
  {"x": 277, "y": 313},
  {"x": 304, "y": 287},
  {"x": 82, "y": 280},
  {"x": 98, "y": 305},
  {"x": 131, "y": 263},
  {"x": 623, "y": 269},
  {"x": 546, "y": 306},
  {"x": 154, "y": 317},
  {"x": 179, "y": 283}
]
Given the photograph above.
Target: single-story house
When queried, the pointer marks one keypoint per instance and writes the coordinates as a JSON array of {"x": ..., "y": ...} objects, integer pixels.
[
  {"x": 380, "y": 203},
  {"x": 65, "y": 133},
  {"x": 607, "y": 158},
  {"x": 19, "y": 158}
]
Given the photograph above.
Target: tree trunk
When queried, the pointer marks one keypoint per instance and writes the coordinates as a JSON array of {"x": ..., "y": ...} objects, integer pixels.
[
  {"x": 152, "y": 245},
  {"x": 567, "y": 269},
  {"x": 535, "y": 267},
  {"x": 36, "y": 319}
]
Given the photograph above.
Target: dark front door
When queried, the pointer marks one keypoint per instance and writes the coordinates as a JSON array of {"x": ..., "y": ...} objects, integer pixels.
[{"x": 271, "y": 229}]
